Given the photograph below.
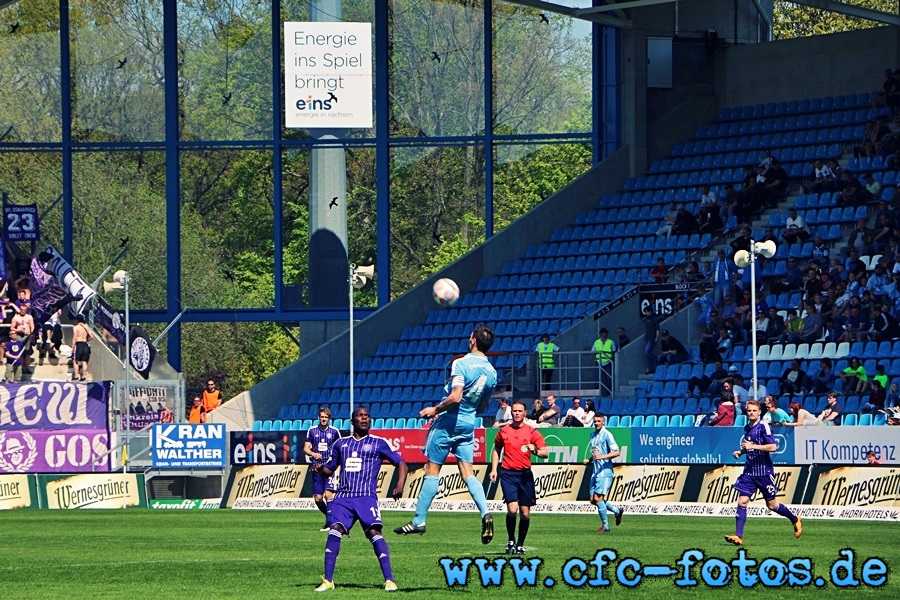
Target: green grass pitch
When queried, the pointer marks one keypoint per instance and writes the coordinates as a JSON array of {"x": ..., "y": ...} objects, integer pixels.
[{"x": 274, "y": 554}]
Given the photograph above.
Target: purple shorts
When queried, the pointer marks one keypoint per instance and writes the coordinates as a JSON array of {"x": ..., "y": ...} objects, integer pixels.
[
  {"x": 748, "y": 484},
  {"x": 319, "y": 484},
  {"x": 348, "y": 511}
]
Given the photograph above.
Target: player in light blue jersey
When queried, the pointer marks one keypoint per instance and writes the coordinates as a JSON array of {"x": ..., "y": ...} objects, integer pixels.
[
  {"x": 603, "y": 449},
  {"x": 472, "y": 380},
  {"x": 759, "y": 474}
]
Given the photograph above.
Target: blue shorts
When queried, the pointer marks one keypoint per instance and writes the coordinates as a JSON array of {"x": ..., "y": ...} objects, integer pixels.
[
  {"x": 447, "y": 436},
  {"x": 601, "y": 483},
  {"x": 348, "y": 511},
  {"x": 518, "y": 486},
  {"x": 319, "y": 481},
  {"x": 748, "y": 484}
]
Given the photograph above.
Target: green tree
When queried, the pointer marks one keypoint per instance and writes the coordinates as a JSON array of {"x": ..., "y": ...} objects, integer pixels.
[{"x": 793, "y": 20}]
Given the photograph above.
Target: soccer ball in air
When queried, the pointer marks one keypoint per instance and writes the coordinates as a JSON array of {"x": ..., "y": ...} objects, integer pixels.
[{"x": 445, "y": 292}]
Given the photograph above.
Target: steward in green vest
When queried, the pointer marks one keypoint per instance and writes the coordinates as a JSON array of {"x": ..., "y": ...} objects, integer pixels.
[{"x": 546, "y": 360}]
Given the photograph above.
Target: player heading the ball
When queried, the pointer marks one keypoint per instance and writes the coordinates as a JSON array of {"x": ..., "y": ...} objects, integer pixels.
[{"x": 472, "y": 381}]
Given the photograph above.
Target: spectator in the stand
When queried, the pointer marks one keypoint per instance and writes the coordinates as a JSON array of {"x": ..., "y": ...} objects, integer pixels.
[
  {"x": 710, "y": 384},
  {"x": 860, "y": 239},
  {"x": 693, "y": 274},
  {"x": 802, "y": 417},
  {"x": 622, "y": 337},
  {"x": 709, "y": 338},
  {"x": 13, "y": 354},
  {"x": 823, "y": 380},
  {"x": 651, "y": 336},
  {"x": 722, "y": 277},
  {"x": 856, "y": 324},
  {"x": 872, "y": 186},
  {"x": 744, "y": 392},
  {"x": 728, "y": 307},
  {"x": 833, "y": 413},
  {"x": 821, "y": 180},
  {"x": 823, "y": 306},
  {"x": 854, "y": 379},
  {"x": 856, "y": 268},
  {"x": 774, "y": 414},
  {"x": 51, "y": 337},
  {"x": 853, "y": 192},
  {"x": 884, "y": 233},
  {"x": 761, "y": 324},
  {"x": 660, "y": 273},
  {"x": 197, "y": 413},
  {"x": 792, "y": 279},
  {"x": 775, "y": 185},
  {"x": 23, "y": 324},
  {"x": 813, "y": 323},
  {"x": 893, "y": 161},
  {"x": 724, "y": 343},
  {"x": 742, "y": 242},
  {"x": 811, "y": 284},
  {"x": 744, "y": 310},
  {"x": 504, "y": 414},
  {"x": 877, "y": 282},
  {"x": 725, "y": 412},
  {"x": 575, "y": 414},
  {"x": 753, "y": 193},
  {"x": 546, "y": 356},
  {"x": 551, "y": 415},
  {"x": 776, "y": 326},
  {"x": 878, "y": 393},
  {"x": 793, "y": 325},
  {"x": 587, "y": 420},
  {"x": 709, "y": 216},
  {"x": 730, "y": 203},
  {"x": 671, "y": 350},
  {"x": 884, "y": 326},
  {"x": 769, "y": 235},
  {"x": 212, "y": 396},
  {"x": 707, "y": 306},
  {"x": 820, "y": 251},
  {"x": 734, "y": 332},
  {"x": 668, "y": 221},
  {"x": 537, "y": 410},
  {"x": 890, "y": 84},
  {"x": 893, "y": 395},
  {"x": 685, "y": 223},
  {"x": 795, "y": 228},
  {"x": 793, "y": 380},
  {"x": 832, "y": 331}
]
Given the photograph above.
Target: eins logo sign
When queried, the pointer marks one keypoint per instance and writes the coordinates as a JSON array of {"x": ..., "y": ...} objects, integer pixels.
[{"x": 317, "y": 103}]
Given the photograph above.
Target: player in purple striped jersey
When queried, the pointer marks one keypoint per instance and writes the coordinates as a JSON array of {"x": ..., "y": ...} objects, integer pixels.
[
  {"x": 359, "y": 457},
  {"x": 759, "y": 474},
  {"x": 319, "y": 440}
]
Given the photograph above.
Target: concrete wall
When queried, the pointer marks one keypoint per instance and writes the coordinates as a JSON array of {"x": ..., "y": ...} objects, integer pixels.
[
  {"x": 263, "y": 400},
  {"x": 827, "y": 65}
]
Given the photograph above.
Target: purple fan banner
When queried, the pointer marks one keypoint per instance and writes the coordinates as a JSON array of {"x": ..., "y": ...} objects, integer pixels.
[
  {"x": 70, "y": 451},
  {"x": 54, "y": 405}
]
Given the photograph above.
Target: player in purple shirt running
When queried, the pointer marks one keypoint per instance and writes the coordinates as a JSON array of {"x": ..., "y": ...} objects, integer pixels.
[
  {"x": 359, "y": 457},
  {"x": 319, "y": 440},
  {"x": 759, "y": 474}
]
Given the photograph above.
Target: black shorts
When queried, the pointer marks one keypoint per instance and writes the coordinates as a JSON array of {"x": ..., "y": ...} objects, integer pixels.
[
  {"x": 82, "y": 351},
  {"x": 518, "y": 486}
]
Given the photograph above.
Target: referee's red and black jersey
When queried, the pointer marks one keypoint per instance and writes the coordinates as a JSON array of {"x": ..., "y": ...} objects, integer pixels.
[{"x": 514, "y": 443}]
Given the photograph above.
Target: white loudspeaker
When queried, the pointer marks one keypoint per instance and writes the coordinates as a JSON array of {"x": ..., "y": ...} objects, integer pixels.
[
  {"x": 111, "y": 286},
  {"x": 120, "y": 277},
  {"x": 742, "y": 258},
  {"x": 766, "y": 249},
  {"x": 362, "y": 276}
]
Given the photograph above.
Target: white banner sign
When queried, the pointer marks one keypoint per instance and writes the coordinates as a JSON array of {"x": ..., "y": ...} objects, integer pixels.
[
  {"x": 327, "y": 75},
  {"x": 846, "y": 445}
]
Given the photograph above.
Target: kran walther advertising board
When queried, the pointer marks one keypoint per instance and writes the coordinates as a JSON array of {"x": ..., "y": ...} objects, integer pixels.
[
  {"x": 189, "y": 446},
  {"x": 327, "y": 75}
]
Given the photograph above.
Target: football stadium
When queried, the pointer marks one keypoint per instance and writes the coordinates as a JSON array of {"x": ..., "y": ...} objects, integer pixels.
[{"x": 447, "y": 297}]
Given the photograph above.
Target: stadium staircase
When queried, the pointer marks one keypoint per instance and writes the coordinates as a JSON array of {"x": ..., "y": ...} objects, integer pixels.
[{"x": 605, "y": 253}]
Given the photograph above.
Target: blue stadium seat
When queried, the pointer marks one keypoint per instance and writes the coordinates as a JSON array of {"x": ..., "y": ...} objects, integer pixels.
[
  {"x": 865, "y": 419},
  {"x": 662, "y": 421},
  {"x": 637, "y": 421},
  {"x": 850, "y": 419},
  {"x": 650, "y": 421},
  {"x": 624, "y": 421}
]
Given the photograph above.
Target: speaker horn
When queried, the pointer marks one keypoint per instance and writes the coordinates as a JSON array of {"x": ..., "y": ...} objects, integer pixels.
[
  {"x": 112, "y": 286},
  {"x": 766, "y": 249},
  {"x": 742, "y": 258}
]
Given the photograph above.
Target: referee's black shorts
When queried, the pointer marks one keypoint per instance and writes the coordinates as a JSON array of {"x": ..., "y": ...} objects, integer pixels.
[{"x": 518, "y": 486}]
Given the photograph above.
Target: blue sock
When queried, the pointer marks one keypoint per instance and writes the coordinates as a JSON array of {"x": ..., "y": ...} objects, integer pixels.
[
  {"x": 740, "y": 520},
  {"x": 332, "y": 548},
  {"x": 384, "y": 556},
  {"x": 785, "y": 512},
  {"x": 601, "y": 510},
  {"x": 477, "y": 492},
  {"x": 426, "y": 496},
  {"x": 612, "y": 508}
]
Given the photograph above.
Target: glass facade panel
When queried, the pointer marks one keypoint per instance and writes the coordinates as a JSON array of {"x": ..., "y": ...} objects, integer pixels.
[
  {"x": 542, "y": 72},
  {"x": 225, "y": 72},
  {"x": 119, "y": 200},
  {"x": 437, "y": 68},
  {"x": 227, "y": 230},
  {"x": 527, "y": 174},
  {"x": 117, "y": 71},
  {"x": 437, "y": 209},
  {"x": 30, "y": 98},
  {"x": 35, "y": 178}
]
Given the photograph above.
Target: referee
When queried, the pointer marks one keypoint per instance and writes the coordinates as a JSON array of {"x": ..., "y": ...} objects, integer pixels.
[{"x": 518, "y": 441}]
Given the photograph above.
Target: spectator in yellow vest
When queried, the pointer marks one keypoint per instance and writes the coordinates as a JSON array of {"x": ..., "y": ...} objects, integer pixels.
[
  {"x": 604, "y": 349},
  {"x": 546, "y": 359}
]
